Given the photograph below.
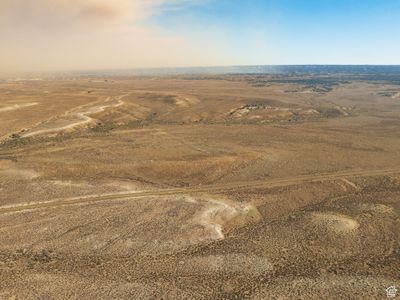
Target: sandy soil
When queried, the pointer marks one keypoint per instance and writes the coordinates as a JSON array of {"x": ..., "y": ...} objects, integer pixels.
[{"x": 207, "y": 187}]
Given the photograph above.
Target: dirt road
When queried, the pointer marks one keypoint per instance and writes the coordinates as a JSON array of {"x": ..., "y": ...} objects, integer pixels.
[{"x": 200, "y": 189}]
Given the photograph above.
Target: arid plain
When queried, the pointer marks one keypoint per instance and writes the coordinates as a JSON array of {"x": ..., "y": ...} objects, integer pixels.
[{"x": 200, "y": 187}]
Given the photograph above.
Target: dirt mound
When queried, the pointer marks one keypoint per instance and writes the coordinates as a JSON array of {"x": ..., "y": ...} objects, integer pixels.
[{"x": 335, "y": 223}]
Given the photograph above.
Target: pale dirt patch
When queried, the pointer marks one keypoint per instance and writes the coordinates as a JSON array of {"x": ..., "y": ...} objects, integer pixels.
[
  {"x": 221, "y": 215},
  {"x": 334, "y": 222},
  {"x": 75, "y": 118},
  {"x": 396, "y": 95},
  {"x": 17, "y": 106},
  {"x": 9, "y": 169},
  {"x": 69, "y": 183},
  {"x": 350, "y": 183},
  {"x": 185, "y": 100},
  {"x": 310, "y": 112},
  {"x": 376, "y": 208}
]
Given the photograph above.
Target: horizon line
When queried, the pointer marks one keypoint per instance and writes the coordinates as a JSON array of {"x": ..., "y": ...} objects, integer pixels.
[{"x": 171, "y": 68}]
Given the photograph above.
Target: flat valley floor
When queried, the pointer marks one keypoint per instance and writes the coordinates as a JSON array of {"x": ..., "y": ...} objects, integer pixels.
[{"x": 200, "y": 187}]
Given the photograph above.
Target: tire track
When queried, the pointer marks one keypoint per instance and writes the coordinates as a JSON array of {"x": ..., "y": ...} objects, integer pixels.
[{"x": 200, "y": 189}]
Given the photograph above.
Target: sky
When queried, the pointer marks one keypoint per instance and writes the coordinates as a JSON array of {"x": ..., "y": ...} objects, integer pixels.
[{"x": 57, "y": 35}]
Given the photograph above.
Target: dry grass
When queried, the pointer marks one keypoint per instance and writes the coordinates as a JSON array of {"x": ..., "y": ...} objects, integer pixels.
[{"x": 307, "y": 238}]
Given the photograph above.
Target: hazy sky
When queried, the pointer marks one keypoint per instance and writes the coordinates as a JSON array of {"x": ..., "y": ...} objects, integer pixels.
[{"x": 41, "y": 35}]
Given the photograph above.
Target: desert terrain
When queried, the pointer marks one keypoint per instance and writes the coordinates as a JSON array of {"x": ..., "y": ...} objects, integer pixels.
[{"x": 200, "y": 187}]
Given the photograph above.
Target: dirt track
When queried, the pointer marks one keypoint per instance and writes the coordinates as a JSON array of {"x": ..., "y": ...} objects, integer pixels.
[{"x": 202, "y": 189}]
